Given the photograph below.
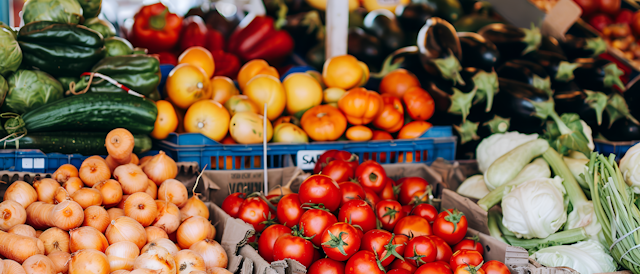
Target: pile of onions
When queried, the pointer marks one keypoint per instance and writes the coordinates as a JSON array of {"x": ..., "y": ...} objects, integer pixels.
[
  {"x": 73, "y": 184},
  {"x": 46, "y": 189},
  {"x": 154, "y": 233},
  {"x": 166, "y": 243},
  {"x": 89, "y": 261},
  {"x": 173, "y": 191},
  {"x": 126, "y": 229},
  {"x": 94, "y": 170},
  {"x": 192, "y": 230},
  {"x": 161, "y": 168},
  {"x": 22, "y": 193},
  {"x": 87, "y": 197},
  {"x": 96, "y": 217},
  {"x": 24, "y": 230},
  {"x": 115, "y": 212},
  {"x": 60, "y": 260},
  {"x": 194, "y": 206},
  {"x": 217, "y": 270},
  {"x": 152, "y": 190},
  {"x": 11, "y": 214},
  {"x": 156, "y": 258},
  {"x": 144, "y": 160},
  {"x": 66, "y": 215},
  {"x": 87, "y": 237},
  {"x": 189, "y": 260},
  {"x": 13, "y": 267},
  {"x": 61, "y": 195},
  {"x": 212, "y": 253},
  {"x": 64, "y": 173},
  {"x": 168, "y": 217},
  {"x": 145, "y": 271},
  {"x": 55, "y": 239},
  {"x": 132, "y": 178},
  {"x": 141, "y": 207},
  {"x": 122, "y": 255},
  {"x": 39, "y": 264},
  {"x": 120, "y": 143},
  {"x": 111, "y": 192},
  {"x": 18, "y": 247}
]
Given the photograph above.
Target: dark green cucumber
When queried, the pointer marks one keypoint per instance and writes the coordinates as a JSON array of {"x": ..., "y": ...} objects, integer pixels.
[
  {"x": 65, "y": 142},
  {"x": 96, "y": 111}
]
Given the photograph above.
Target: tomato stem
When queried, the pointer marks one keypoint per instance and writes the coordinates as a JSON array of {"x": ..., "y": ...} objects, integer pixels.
[
  {"x": 454, "y": 218},
  {"x": 336, "y": 242}
]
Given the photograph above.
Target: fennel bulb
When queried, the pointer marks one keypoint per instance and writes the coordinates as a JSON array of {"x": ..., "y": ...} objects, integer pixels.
[
  {"x": 496, "y": 145},
  {"x": 585, "y": 257},
  {"x": 535, "y": 209},
  {"x": 507, "y": 167},
  {"x": 630, "y": 168},
  {"x": 473, "y": 187}
]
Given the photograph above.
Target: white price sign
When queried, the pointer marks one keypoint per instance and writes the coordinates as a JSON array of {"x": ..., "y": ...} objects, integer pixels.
[
  {"x": 32, "y": 163},
  {"x": 307, "y": 159}
]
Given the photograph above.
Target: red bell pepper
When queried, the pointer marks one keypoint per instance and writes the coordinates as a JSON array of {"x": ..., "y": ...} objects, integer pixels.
[
  {"x": 155, "y": 28},
  {"x": 215, "y": 40},
  {"x": 166, "y": 57},
  {"x": 194, "y": 33},
  {"x": 227, "y": 64},
  {"x": 261, "y": 40}
]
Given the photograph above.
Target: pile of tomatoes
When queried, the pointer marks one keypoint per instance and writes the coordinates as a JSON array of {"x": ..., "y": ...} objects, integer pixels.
[{"x": 366, "y": 224}]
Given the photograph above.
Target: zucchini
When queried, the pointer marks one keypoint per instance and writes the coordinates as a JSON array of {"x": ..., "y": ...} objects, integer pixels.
[
  {"x": 96, "y": 111},
  {"x": 85, "y": 143}
]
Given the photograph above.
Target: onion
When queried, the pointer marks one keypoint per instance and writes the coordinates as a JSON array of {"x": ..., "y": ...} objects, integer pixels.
[
  {"x": 73, "y": 184},
  {"x": 112, "y": 163},
  {"x": 46, "y": 189},
  {"x": 87, "y": 237},
  {"x": 152, "y": 190},
  {"x": 38, "y": 233},
  {"x": 65, "y": 172},
  {"x": 114, "y": 213},
  {"x": 173, "y": 191},
  {"x": 55, "y": 239},
  {"x": 60, "y": 260},
  {"x": 87, "y": 197},
  {"x": 121, "y": 255},
  {"x": 217, "y": 270},
  {"x": 89, "y": 261},
  {"x": 121, "y": 271},
  {"x": 212, "y": 253},
  {"x": 61, "y": 195},
  {"x": 145, "y": 271},
  {"x": 194, "y": 206},
  {"x": 94, "y": 170},
  {"x": 126, "y": 229},
  {"x": 166, "y": 243},
  {"x": 141, "y": 207},
  {"x": 168, "y": 216},
  {"x": 132, "y": 178},
  {"x": 134, "y": 159},
  {"x": 111, "y": 192},
  {"x": 144, "y": 160},
  {"x": 213, "y": 232},
  {"x": 96, "y": 217},
  {"x": 161, "y": 168},
  {"x": 22, "y": 193},
  {"x": 13, "y": 267},
  {"x": 189, "y": 260},
  {"x": 198, "y": 272},
  {"x": 156, "y": 258},
  {"x": 193, "y": 230},
  {"x": 154, "y": 233},
  {"x": 24, "y": 230},
  {"x": 38, "y": 264},
  {"x": 124, "y": 199},
  {"x": 11, "y": 214},
  {"x": 65, "y": 215}
]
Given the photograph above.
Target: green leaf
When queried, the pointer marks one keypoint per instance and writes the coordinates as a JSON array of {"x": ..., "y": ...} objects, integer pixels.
[{"x": 461, "y": 102}]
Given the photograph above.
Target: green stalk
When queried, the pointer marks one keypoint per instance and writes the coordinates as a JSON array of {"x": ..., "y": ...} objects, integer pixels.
[
  {"x": 562, "y": 237},
  {"x": 559, "y": 167},
  {"x": 493, "y": 219}
]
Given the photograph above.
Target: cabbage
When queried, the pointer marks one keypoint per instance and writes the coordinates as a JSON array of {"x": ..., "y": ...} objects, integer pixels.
[
  {"x": 29, "y": 89},
  {"x": 630, "y": 168},
  {"x": 535, "y": 209},
  {"x": 10, "y": 52},
  {"x": 496, "y": 145},
  {"x": 4, "y": 87},
  {"x": 585, "y": 257},
  {"x": 62, "y": 11}
]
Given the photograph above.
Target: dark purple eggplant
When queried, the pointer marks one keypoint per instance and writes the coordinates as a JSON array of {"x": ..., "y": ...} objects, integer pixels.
[
  {"x": 439, "y": 48},
  {"x": 383, "y": 25},
  {"x": 526, "y": 72},
  {"x": 468, "y": 139},
  {"x": 365, "y": 47},
  {"x": 598, "y": 75},
  {"x": 412, "y": 17},
  {"x": 512, "y": 42},
  {"x": 514, "y": 102},
  {"x": 478, "y": 52},
  {"x": 632, "y": 95},
  {"x": 549, "y": 43},
  {"x": 556, "y": 65},
  {"x": 580, "y": 47},
  {"x": 225, "y": 24},
  {"x": 621, "y": 130},
  {"x": 590, "y": 105}
]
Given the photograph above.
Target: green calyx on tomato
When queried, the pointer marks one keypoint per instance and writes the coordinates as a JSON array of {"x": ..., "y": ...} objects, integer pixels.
[
  {"x": 391, "y": 249},
  {"x": 454, "y": 218},
  {"x": 308, "y": 206},
  {"x": 379, "y": 262},
  {"x": 269, "y": 220},
  {"x": 349, "y": 221},
  {"x": 417, "y": 257},
  {"x": 473, "y": 269},
  {"x": 299, "y": 232},
  {"x": 336, "y": 242},
  {"x": 390, "y": 212},
  {"x": 420, "y": 199}
]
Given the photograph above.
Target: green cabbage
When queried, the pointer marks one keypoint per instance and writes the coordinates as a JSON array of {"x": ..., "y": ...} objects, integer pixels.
[
  {"x": 101, "y": 26},
  {"x": 117, "y": 46},
  {"x": 4, "y": 87},
  {"x": 10, "y": 52},
  {"x": 90, "y": 8},
  {"x": 585, "y": 257},
  {"x": 29, "y": 89},
  {"x": 63, "y": 11}
]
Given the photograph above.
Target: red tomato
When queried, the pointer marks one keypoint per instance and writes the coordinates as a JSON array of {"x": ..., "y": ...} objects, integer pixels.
[
  {"x": 635, "y": 22},
  {"x": 293, "y": 247},
  {"x": 340, "y": 241},
  {"x": 600, "y": 21},
  {"x": 371, "y": 197},
  {"x": 495, "y": 267},
  {"x": 434, "y": 267},
  {"x": 384, "y": 244},
  {"x": 451, "y": 226},
  {"x": 407, "y": 209},
  {"x": 472, "y": 243},
  {"x": 315, "y": 222},
  {"x": 624, "y": 17},
  {"x": 444, "y": 250},
  {"x": 363, "y": 262},
  {"x": 466, "y": 269},
  {"x": 371, "y": 175},
  {"x": 334, "y": 154},
  {"x": 268, "y": 238},
  {"x": 398, "y": 271},
  {"x": 420, "y": 250},
  {"x": 400, "y": 264},
  {"x": 351, "y": 191},
  {"x": 388, "y": 192},
  {"x": 320, "y": 189},
  {"x": 408, "y": 188},
  {"x": 412, "y": 226},
  {"x": 339, "y": 170},
  {"x": 588, "y": 6},
  {"x": 358, "y": 213},
  {"x": 326, "y": 266},
  {"x": 426, "y": 211},
  {"x": 231, "y": 204},
  {"x": 289, "y": 210},
  {"x": 464, "y": 257},
  {"x": 389, "y": 213},
  {"x": 609, "y": 6},
  {"x": 254, "y": 211}
]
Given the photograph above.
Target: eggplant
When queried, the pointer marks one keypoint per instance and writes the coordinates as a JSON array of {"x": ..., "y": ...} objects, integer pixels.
[
  {"x": 412, "y": 17},
  {"x": 512, "y": 42},
  {"x": 598, "y": 75},
  {"x": 579, "y": 47},
  {"x": 622, "y": 130},
  {"x": 365, "y": 47},
  {"x": 514, "y": 102},
  {"x": 496, "y": 125},
  {"x": 224, "y": 24},
  {"x": 632, "y": 95},
  {"x": 383, "y": 25},
  {"x": 450, "y": 10},
  {"x": 526, "y": 72},
  {"x": 590, "y": 105},
  {"x": 473, "y": 22},
  {"x": 556, "y": 65},
  {"x": 486, "y": 85},
  {"x": 468, "y": 139},
  {"x": 440, "y": 51},
  {"x": 306, "y": 28},
  {"x": 549, "y": 43},
  {"x": 477, "y": 52}
]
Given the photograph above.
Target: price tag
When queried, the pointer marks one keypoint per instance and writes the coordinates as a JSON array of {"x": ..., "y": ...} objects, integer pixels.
[
  {"x": 27, "y": 163},
  {"x": 33, "y": 163},
  {"x": 38, "y": 163},
  {"x": 307, "y": 159},
  {"x": 388, "y": 2}
]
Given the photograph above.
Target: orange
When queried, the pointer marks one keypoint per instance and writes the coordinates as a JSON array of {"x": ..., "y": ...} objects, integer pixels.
[
  {"x": 166, "y": 122},
  {"x": 222, "y": 88},
  {"x": 359, "y": 133},
  {"x": 209, "y": 118},
  {"x": 342, "y": 71},
  {"x": 199, "y": 57},
  {"x": 398, "y": 82},
  {"x": 266, "y": 89},
  {"x": 186, "y": 85},
  {"x": 252, "y": 69}
]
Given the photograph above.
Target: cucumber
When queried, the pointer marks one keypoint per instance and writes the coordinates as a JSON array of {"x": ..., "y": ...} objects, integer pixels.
[
  {"x": 85, "y": 143},
  {"x": 95, "y": 111}
]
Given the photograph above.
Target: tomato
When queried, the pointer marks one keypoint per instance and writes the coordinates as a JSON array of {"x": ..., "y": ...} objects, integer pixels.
[
  {"x": 392, "y": 117},
  {"x": 326, "y": 266},
  {"x": 400, "y": 264},
  {"x": 384, "y": 244},
  {"x": 340, "y": 241},
  {"x": 254, "y": 211},
  {"x": 389, "y": 213},
  {"x": 359, "y": 133},
  {"x": 231, "y": 204},
  {"x": 268, "y": 238},
  {"x": 444, "y": 250},
  {"x": 588, "y": 6},
  {"x": 451, "y": 226},
  {"x": 412, "y": 226},
  {"x": 407, "y": 209},
  {"x": 361, "y": 106},
  {"x": 293, "y": 247},
  {"x": 371, "y": 197},
  {"x": 358, "y": 213},
  {"x": 334, "y": 154},
  {"x": 611, "y": 7},
  {"x": 339, "y": 170},
  {"x": 463, "y": 257},
  {"x": 624, "y": 17},
  {"x": 315, "y": 222},
  {"x": 320, "y": 189},
  {"x": 381, "y": 135},
  {"x": 388, "y": 192},
  {"x": 472, "y": 243},
  {"x": 412, "y": 130},
  {"x": 465, "y": 269},
  {"x": 495, "y": 267},
  {"x": 351, "y": 191},
  {"x": 635, "y": 22},
  {"x": 324, "y": 123},
  {"x": 434, "y": 267},
  {"x": 289, "y": 210},
  {"x": 371, "y": 175},
  {"x": 398, "y": 271},
  {"x": 409, "y": 186},
  {"x": 420, "y": 250},
  {"x": 600, "y": 21},
  {"x": 363, "y": 262},
  {"x": 426, "y": 211},
  {"x": 419, "y": 103},
  {"x": 397, "y": 82}
]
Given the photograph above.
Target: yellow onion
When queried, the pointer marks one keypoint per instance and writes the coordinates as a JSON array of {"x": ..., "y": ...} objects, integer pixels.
[
  {"x": 212, "y": 253},
  {"x": 144, "y": 160},
  {"x": 173, "y": 191},
  {"x": 38, "y": 264},
  {"x": 154, "y": 233},
  {"x": 73, "y": 184},
  {"x": 145, "y": 271},
  {"x": 152, "y": 190},
  {"x": 24, "y": 230},
  {"x": 189, "y": 260},
  {"x": 114, "y": 213},
  {"x": 87, "y": 237},
  {"x": 64, "y": 172},
  {"x": 96, "y": 217},
  {"x": 60, "y": 260},
  {"x": 212, "y": 235},
  {"x": 121, "y": 271},
  {"x": 166, "y": 243},
  {"x": 121, "y": 255},
  {"x": 89, "y": 261},
  {"x": 168, "y": 216},
  {"x": 126, "y": 229},
  {"x": 192, "y": 230},
  {"x": 131, "y": 178},
  {"x": 21, "y": 192},
  {"x": 61, "y": 196},
  {"x": 111, "y": 192},
  {"x": 87, "y": 197},
  {"x": 121, "y": 203},
  {"x": 194, "y": 207},
  {"x": 46, "y": 189},
  {"x": 161, "y": 168},
  {"x": 66, "y": 215},
  {"x": 11, "y": 214},
  {"x": 217, "y": 270},
  {"x": 156, "y": 258},
  {"x": 12, "y": 267},
  {"x": 141, "y": 207},
  {"x": 55, "y": 239}
]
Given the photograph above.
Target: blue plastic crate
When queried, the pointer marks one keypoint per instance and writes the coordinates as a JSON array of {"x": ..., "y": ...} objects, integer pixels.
[{"x": 617, "y": 148}]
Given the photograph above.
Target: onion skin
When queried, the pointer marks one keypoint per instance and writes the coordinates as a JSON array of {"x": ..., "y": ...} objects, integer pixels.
[
  {"x": 156, "y": 258},
  {"x": 18, "y": 247},
  {"x": 61, "y": 195},
  {"x": 152, "y": 190},
  {"x": 173, "y": 191},
  {"x": 96, "y": 217},
  {"x": 218, "y": 270},
  {"x": 66, "y": 215},
  {"x": 131, "y": 178},
  {"x": 114, "y": 213},
  {"x": 55, "y": 239},
  {"x": 193, "y": 230},
  {"x": 21, "y": 192},
  {"x": 121, "y": 271},
  {"x": 13, "y": 267},
  {"x": 24, "y": 230},
  {"x": 38, "y": 264},
  {"x": 126, "y": 229},
  {"x": 46, "y": 189},
  {"x": 168, "y": 217},
  {"x": 154, "y": 233},
  {"x": 194, "y": 207},
  {"x": 141, "y": 207},
  {"x": 65, "y": 172},
  {"x": 122, "y": 255},
  {"x": 11, "y": 214},
  {"x": 60, "y": 260},
  {"x": 87, "y": 237},
  {"x": 189, "y": 260},
  {"x": 161, "y": 168},
  {"x": 167, "y": 244},
  {"x": 73, "y": 184},
  {"x": 89, "y": 261},
  {"x": 111, "y": 192},
  {"x": 124, "y": 199},
  {"x": 145, "y": 271},
  {"x": 87, "y": 197},
  {"x": 212, "y": 253},
  {"x": 94, "y": 170}
]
